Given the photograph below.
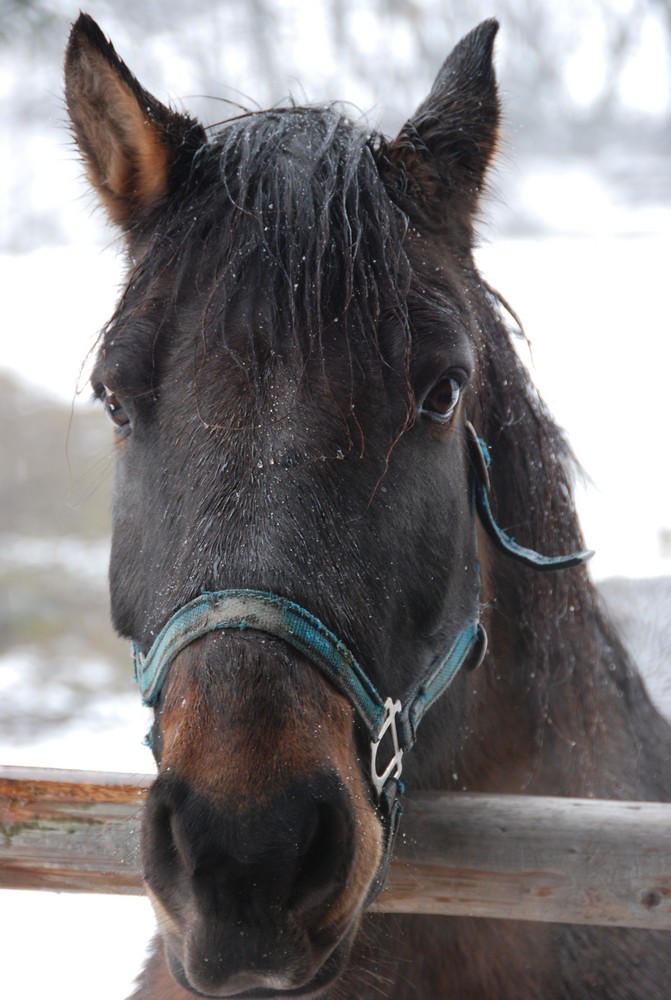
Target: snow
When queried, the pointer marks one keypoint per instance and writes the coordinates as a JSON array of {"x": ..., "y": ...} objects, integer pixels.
[
  {"x": 88, "y": 945},
  {"x": 60, "y": 944},
  {"x": 54, "y": 302}
]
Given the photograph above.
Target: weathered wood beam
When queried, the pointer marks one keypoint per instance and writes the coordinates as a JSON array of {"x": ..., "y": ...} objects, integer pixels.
[
  {"x": 72, "y": 831},
  {"x": 517, "y": 857}
]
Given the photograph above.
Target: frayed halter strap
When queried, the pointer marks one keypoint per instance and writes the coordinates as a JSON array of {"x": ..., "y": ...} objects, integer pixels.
[{"x": 384, "y": 719}]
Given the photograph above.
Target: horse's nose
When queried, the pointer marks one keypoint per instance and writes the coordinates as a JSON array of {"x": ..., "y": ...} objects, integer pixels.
[{"x": 291, "y": 854}]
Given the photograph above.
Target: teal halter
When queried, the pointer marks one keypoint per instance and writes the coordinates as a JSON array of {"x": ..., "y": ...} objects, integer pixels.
[
  {"x": 381, "y": 717},
  {"x": 281, "y": 618}
]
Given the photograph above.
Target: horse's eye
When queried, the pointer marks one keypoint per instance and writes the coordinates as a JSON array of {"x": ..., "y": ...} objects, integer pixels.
[
  {"x": 441, "y": 400},
  {"x": 115, "y": 410}
]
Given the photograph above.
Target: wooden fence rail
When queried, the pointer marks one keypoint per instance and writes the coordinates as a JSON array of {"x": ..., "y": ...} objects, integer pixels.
[{"x": 507, "y": 856}]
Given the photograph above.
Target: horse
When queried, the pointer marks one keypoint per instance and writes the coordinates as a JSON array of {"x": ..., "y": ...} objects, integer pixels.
[{"x": 334, "y": 480}]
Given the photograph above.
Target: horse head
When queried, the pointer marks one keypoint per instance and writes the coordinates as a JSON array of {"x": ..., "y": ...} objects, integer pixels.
[{"x": 292, "y": 371}]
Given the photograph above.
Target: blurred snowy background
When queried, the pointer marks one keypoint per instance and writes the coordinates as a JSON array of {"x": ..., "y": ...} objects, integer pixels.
[{"x": 578, "y": 239}]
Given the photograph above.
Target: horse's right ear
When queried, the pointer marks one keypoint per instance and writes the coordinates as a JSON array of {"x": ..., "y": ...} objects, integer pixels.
[{"x": 132, "y": 145}]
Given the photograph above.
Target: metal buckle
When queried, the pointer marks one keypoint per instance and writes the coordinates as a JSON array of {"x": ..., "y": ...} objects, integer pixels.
[{"x": 395, "y": 765}]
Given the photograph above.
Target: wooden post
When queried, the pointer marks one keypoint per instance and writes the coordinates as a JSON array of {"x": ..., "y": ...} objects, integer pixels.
[{"x": 518, "y": 857}]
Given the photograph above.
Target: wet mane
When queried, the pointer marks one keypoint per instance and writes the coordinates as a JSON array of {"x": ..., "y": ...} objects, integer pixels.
[
  {"x": 533, "y": 478},
  {"x": 247, "y": 185}
]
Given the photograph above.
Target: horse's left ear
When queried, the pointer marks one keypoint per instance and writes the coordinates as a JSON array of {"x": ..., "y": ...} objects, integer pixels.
[
  {"x": 446, "y": 147},
  {"x": 132, "y": 145}
]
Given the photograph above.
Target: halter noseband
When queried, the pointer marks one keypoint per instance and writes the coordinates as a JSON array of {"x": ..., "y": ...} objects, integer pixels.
[{"x": 381, "y": 717}]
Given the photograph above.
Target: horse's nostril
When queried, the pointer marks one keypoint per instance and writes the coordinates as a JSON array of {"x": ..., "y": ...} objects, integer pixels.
[
  {"x": 294, "y": 853},
  {"x": 323, "y": 862}
]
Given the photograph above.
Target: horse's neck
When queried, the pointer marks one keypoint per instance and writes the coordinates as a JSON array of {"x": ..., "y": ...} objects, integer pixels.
[{"x": 563, "y": 710}]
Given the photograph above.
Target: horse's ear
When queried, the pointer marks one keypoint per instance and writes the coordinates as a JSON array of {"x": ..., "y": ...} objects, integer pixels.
[
  {"x": 446, "y": 147},
  {"x": 132, "y": 145}
]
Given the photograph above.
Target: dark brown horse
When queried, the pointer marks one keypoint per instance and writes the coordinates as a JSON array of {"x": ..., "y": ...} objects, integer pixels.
[{"x": 301, "y": 373}]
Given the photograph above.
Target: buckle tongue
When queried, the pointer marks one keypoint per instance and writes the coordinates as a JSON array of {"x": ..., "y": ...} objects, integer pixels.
[{"x": 395, "y": 765}]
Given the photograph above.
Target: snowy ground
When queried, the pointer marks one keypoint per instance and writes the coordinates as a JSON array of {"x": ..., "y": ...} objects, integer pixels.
[{"x": 595, "y": 309}]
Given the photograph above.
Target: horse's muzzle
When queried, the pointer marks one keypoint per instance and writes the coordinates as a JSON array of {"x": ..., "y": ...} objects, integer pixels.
[
  {"x": 250, "y": 898},
  {"x": 254, "y": 987}
]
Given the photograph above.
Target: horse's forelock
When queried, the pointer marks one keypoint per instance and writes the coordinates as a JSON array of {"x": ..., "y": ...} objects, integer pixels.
[
  {"x": 283, "y": 241},
  {"x": 286, "y": 209}
]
